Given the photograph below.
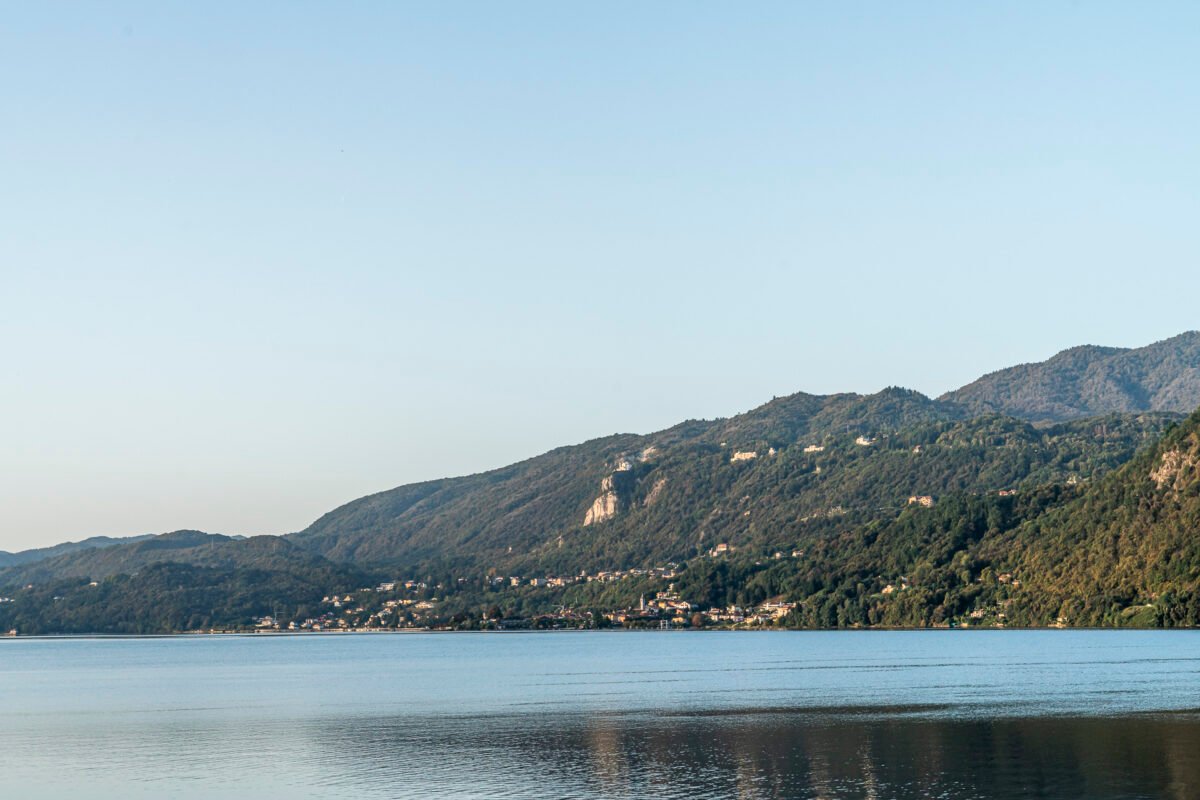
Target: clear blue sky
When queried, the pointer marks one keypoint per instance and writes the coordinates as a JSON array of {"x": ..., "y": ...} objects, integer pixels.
[{"x": 260, "y": 259}]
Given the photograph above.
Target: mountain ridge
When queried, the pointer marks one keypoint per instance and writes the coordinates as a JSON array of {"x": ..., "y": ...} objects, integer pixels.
[
  {"x": 1088, "y": 380},
  {"x": 31, "y": 555}
]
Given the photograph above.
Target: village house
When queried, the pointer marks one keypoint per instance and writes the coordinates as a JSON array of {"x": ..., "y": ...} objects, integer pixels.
[{"x": 776, "y": 610}]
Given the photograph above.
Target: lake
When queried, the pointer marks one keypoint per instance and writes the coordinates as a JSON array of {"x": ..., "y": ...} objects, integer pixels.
[{"x": 946, "y": 714}]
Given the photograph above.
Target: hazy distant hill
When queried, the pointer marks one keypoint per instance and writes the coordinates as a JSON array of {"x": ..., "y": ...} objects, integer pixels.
[
  {"x": 1087, "y": 381},
  {"x": 29, "y": 556},
  {"x": 183, "y": 547},
  {"x": 186, "y": 580}
]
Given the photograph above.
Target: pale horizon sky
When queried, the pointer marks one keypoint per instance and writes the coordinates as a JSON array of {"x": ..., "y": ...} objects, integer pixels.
[{"x": 259, "y": 260}]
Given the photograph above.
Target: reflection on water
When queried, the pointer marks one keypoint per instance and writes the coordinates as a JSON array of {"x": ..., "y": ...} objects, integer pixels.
[
  {"x": 1020, "y": 715},
  {"x": 870, "y": 754}
]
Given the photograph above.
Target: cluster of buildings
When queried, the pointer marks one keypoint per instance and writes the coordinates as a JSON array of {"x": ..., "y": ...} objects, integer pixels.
[
  {"x": 348, "y": 614},
  {"x": 325, "y": 622},
  {"x": 667, "y": 572},
  {"x": 668, "y": 610},
  {"x": 724, "y": 549},
  {"x": 763, "y": 614},
  {"x": 665, "y": 606}
]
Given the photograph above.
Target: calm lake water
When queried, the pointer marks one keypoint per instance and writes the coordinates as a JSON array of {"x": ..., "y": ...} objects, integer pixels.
[{"x": 1004, "y": 714}]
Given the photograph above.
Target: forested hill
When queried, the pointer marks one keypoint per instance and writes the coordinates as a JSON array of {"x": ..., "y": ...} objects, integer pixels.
[
  {"x": 520, "y": 512},
  {"x": 794, "y": 466},
  {"x": 1123, "y": 550},
  {"x": 1087, "y": 381},
  {"x": 1127, "y": 550},
  {"x": 627, "y": 498}
]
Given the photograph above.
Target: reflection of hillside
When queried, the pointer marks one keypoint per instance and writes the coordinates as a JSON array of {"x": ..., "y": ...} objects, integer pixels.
[
  {"x": 1182, "y": 763},
  {"x": 756, "y": 756},
  {"x": 783, "y": 755}
]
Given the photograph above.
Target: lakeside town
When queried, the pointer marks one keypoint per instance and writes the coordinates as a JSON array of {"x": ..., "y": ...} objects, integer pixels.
[
  {"x": 634, "y": 598},
  {"x": 417, "y": 605},
  {"x": 665, "y": 610}
]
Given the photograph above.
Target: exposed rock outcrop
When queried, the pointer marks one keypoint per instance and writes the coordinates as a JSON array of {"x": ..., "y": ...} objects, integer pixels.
[
  {"x": 655, "y": 492},
  {"x": 1176, "y": 470},
  {"x": 605, "y": 506},
  {"x": 614, "y": 493}
]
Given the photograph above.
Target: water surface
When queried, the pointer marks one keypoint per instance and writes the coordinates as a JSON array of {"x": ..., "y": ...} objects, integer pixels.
[{"x": 1003, "y": 714}]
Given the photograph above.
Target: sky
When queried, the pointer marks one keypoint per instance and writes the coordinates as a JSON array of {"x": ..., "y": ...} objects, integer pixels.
[{"x": 257, "y": 260}]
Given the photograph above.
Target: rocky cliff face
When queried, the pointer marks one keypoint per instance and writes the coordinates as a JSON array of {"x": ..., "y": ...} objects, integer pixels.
[
  {"x": 604, "y": 507},
  {"x": 1179, "y": 467},
  {"x": 614, "y": 494}
]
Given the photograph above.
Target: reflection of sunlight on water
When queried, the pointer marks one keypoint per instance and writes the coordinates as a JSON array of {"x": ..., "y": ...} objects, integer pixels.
[{"x": 606, "y": 757}]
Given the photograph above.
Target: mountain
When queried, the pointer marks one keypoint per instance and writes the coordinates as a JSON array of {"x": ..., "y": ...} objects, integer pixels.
[
  {"x": 888, "y": 509},
  {"x": 797, "y": 464},
  {"x": 1088, "y": 381},
  {"x": 29, "y": 556},
  {"x": 524, "y": 508},
  {"x": 627, "y": 499}
]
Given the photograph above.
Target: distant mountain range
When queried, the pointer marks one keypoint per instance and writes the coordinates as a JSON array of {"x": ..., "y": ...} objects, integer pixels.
[
  {"x": 128, "y": 556},
  {"x": 1088, "y": 381},
  {"x": 38, "y": 554},
  {"x": 1018, "y": 473}
]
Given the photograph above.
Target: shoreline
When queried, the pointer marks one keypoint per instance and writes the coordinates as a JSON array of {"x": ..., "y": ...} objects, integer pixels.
[{"x": 420, "y": 631}]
